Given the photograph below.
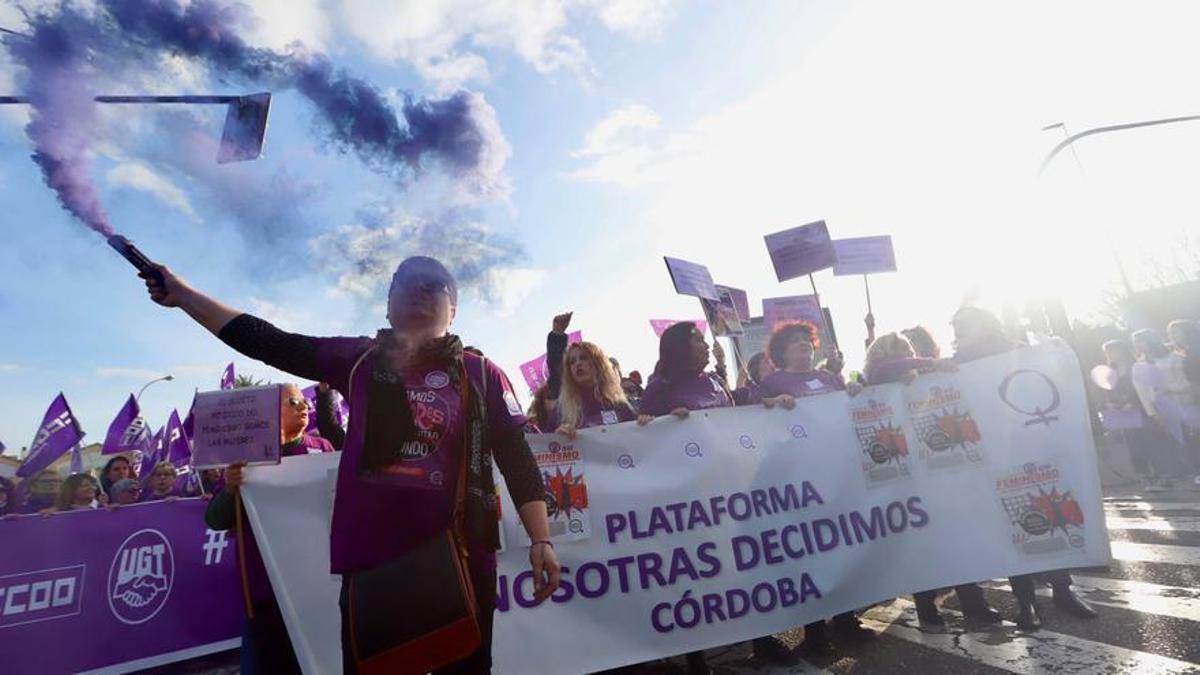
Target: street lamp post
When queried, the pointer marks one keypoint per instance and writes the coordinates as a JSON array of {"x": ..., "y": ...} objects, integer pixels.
[{"x": 164, "y": 378}]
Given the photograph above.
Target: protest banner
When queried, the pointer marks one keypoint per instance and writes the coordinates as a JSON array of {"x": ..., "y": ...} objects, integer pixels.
[
  {"x": 737, "y": 523},
  {"x": 536, "y": 372},
  {"x": 800, "y": 251},
  {"x": 113, "y": 592},
  {"x": 691, "y": 278},
  {"x": 236, "y": 425}
]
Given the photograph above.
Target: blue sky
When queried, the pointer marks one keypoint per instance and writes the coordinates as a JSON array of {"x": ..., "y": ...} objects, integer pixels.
[{"x": 638, "y": 128}]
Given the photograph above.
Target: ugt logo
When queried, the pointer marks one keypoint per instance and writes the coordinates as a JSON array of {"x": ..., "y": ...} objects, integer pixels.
[
  {"x": 1033, "y": 394},
  {"x": 53, "y": 426},
  {"x": 140, "y": 579}
]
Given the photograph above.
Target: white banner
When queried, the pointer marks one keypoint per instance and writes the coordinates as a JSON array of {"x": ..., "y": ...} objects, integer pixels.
[{"x": 737, "y": 523}]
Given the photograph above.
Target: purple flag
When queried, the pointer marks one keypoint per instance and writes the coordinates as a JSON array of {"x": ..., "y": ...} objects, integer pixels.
[
  {"x": 178, "y": 448},
  {"x": 341, "y": 409},
  {"x": 2, "y": 447},
  {"x": 189, "y": 423},
  {"x": 228, "y": 377},
  {"x": 76, "y": 460},
  {"x": 151, "y": 454},
  {"x": 128, "y": 430},
  {"x": 59, "y": 433}
]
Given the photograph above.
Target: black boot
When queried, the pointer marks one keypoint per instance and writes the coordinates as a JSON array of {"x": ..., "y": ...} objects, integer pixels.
[
  {"x": 847, "y": 627},
  {"x": 927, "y": 610},
  {"x": 1029, "y": 618},
  {"x": 975, "y": 607},
  {"x": 697, "y": 664},
  {"x": 771, "y": 650},
  {"x": 1066, "y": 600},
  {"x": 816, "y": 640}
]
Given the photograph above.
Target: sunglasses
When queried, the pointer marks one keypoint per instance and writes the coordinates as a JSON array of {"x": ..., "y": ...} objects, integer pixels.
[
  {"x": 298, "y": 403},
  {"x": 428, "y": 285}
]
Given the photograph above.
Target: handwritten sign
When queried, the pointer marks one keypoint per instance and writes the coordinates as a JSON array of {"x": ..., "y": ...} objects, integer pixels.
[
  {"x": 791, "y": 308},
  {"x": 236, "y": 425},
  {"x": 801, "y": 250},
  {"x": 691, "y": 278},
  {"x": 864, "y": 255}
]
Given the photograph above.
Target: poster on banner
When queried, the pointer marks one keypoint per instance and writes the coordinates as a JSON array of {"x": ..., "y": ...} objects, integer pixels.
[
  {"x": 660, "y": 326},
  {"x": 741, "y": 301},
  {"x": 1043, "y": 514},
  {"x": 864, "y": 255},
  {"x": 537, "y": 371},
  {"x": 691, "y": 278},
  {"x": 94, "y": 584},
  {"x": 946, "y": 433},
  {"x": 722, "y": 315},
  {"x": 564, "y": 477},
  {"x": 879, "y": 430},
  {"x": 801, "y": 250},
  {"x": 236, "y": 425}
]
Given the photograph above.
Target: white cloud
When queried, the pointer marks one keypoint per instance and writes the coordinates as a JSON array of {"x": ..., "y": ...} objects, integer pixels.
[
  {"x": 129, "y": 373},
  {"x": 279, "y": 23},
  {"x": 625, "y": 149},
  {"x": 9, "y": 367},
  {"x": 634, "y": 17},
  {"x": 511, "y": 287},
  {"x": 443, "y": 39},
  {"x": 138, "y": 176},
  {"x": 284, "y": 316}
]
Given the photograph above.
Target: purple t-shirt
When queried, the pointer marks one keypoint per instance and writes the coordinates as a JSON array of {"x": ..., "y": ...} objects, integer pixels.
[
  {"x": 809, "y": 383},
  {"x": 696, "y": 392},
  {"x": 594, "y": 414},
  {"x": 373, "y": 521}
]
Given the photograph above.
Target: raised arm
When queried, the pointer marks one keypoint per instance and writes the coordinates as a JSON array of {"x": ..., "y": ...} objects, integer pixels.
[
  {"x": 257, "y": 339},
  {"x": 556, "y": 346}
]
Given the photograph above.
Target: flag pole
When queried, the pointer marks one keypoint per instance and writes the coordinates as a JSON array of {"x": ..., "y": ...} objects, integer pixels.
[{"x": 870, "y": 320}]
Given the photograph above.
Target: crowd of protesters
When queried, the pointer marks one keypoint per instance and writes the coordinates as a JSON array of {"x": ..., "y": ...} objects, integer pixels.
[{"x": 1150, "y": 396}]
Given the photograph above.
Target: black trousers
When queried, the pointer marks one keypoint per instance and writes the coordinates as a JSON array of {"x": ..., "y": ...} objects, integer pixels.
[
  {"x": 478, "y": 663},
  {"x": 1022, "y": 585},
  {"x": 266, "y": 647}
]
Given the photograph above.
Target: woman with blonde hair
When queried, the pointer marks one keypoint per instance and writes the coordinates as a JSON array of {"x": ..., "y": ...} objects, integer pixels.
[
  {"x": 891, "y": 358},
  {"x": 162, "y": 483},
  {"x": 80, "y": 491},
  {"x": 591, "y": 392}
]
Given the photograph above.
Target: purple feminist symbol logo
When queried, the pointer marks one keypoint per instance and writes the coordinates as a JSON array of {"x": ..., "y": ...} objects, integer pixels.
[
  {"x": 1036, "y": 396},
  {"x": 140, "y": 579},
  {"x": 625, "y": 461},
  {"x": 692, "y": 450},
  {"x": 746, "y": 442},
  {"x": 798, "y": 431},
  {"x": 554, "y": 446}
]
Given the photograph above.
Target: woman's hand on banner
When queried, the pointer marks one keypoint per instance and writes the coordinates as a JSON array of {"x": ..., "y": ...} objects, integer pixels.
[
  {"x": 546, "y": 570},
  {"x": 567, "y": 430},
  {"x": 785, "y": 401},
  {"x": 907, "y": 378},
  {"x": 946, "y": 366},
  {"x": 643, "y": 420},
  {"x": 681, "y": 413},
  {"x": 853, "y": 388}
]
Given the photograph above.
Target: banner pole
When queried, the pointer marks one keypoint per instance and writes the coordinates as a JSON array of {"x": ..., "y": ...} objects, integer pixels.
[
  {"x": 821, "y": 312},
  {"x": 241, "y": 544},
  {"x": 870, "y": 320}
]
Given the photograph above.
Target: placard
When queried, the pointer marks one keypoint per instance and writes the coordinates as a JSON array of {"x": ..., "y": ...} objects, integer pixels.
[
  {"x": 660, "y": 326},
  {"x": 722, "y": 315},
  {"x": 236, "y": 425},
  {"x": 691, "y": 278},
  {"x": 741, "y": 302},
  {"x": 537, "y": 371},
  {"x": 864, "y": 255},
  {"x": 801, "y": 250},
  {"x": 791, "y": 308}
]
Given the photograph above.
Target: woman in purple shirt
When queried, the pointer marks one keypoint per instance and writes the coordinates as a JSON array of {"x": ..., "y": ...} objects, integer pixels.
[
  {"x": 422, "y": 411},
  {"x": 678, "y": 386}
]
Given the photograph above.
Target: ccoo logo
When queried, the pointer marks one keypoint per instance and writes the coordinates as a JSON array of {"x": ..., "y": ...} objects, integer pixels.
[{"x": 140, "y": 579}]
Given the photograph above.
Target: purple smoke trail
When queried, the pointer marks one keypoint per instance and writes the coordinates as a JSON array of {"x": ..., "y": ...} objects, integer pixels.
[
  {"x": 64, "y": 113},
  {"x": 458, "y": 134}
]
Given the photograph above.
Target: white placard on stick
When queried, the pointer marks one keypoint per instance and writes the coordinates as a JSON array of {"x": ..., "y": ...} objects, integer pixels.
[
  {"x": 691, "y": 278},
  {"x": 236, "y": 425},
  {"x": 864, "y": 255},
  {"x": 801, "y": 250}
]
